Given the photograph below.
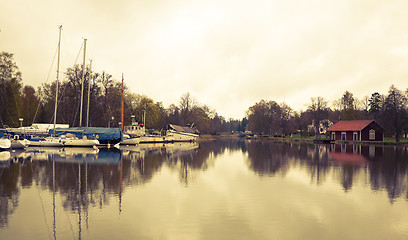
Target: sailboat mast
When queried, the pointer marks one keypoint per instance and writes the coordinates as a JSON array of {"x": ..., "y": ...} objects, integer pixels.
[
  {"x": 82, "y": 88},
  {"x": 89, "y": 93},
  {"x": 122, "y": 105},
  {"x": 56, "y": 91},
  {"x": 144, "y": 120}
]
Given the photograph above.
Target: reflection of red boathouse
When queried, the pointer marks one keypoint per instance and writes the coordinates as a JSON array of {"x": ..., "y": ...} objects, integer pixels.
[
  {"x": 354, "y": 154},
  {"x": 348, "y": 158}
]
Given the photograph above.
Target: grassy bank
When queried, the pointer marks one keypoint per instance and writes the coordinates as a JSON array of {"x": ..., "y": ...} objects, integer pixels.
[{"x": 298, "y": 138}]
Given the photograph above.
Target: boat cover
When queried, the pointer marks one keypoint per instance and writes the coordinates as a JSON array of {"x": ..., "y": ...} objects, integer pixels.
[{"x": 103, "y": 135}]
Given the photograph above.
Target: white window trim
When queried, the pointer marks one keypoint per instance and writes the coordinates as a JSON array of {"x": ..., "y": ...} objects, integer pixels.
[
  {"x": 371, "y": 134},
  {"x": 345, "y": 136}
]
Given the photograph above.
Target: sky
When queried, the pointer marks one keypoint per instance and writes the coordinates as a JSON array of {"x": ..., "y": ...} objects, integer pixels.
[{"x": 227, "y": 54}]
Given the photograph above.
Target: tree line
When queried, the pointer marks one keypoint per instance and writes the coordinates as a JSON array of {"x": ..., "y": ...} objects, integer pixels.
[
  {"x": 267, "y": 117},
  {"x": 105, "y": 100},
  {"x": 390, "y": 110}
]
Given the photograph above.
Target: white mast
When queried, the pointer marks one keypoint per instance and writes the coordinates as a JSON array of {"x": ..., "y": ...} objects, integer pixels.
[
  {"x": 89, "y": 93},
  {"x": 82, "y": 84},
  {"x": 56, "y": 91}
]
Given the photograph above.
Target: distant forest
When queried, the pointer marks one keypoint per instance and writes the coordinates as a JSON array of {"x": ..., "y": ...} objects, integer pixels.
[{"x": 267, "y": 117}]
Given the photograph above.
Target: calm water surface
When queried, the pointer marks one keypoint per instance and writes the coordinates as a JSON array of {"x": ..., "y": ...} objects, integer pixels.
[{"x": 212, "y": 190}]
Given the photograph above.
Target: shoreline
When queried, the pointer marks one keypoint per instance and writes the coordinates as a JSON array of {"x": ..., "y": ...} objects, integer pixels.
[{"x": 204, "y": 138}]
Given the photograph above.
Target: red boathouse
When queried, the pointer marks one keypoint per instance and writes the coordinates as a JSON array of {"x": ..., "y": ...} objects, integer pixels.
[{"x": 356, "y": 130}]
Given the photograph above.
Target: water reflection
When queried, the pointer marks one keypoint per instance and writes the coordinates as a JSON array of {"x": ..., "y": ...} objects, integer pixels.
[
  {"x": 385, "y": 166},
  {"x": 88, "y": 178}
]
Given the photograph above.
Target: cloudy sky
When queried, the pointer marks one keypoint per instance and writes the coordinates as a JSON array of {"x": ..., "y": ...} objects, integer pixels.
[{"x": 227, "y": 54}]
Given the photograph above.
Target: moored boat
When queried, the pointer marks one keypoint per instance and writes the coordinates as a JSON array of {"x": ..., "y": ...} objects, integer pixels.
[
  {"x": 128, "y": 140},
  {"x": 19, "y": 143},
  {"x": 182, "y": 134},
  {"x": 5, "y": 143},
  {"x": 46, "y": 142}
]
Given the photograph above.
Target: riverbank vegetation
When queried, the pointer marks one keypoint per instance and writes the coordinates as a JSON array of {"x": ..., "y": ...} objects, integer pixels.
[{"x": 266, "y": 117}]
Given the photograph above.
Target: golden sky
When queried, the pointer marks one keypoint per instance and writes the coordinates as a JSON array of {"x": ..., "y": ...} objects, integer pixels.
[{"x": 227, "y": 54}]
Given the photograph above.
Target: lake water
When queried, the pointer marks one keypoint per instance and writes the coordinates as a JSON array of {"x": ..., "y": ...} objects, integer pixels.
[{"x": 232, "y": 189}]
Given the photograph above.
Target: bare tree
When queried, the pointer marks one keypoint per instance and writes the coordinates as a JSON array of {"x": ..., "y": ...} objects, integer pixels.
[{"x": 319, "y": 111}]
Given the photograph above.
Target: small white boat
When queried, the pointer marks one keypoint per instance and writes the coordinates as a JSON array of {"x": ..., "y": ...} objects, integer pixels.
[
  {"x": 16, "y": 142},
  {"x": 19, "y": 144},
  {"x": 76, "y": 142},
  {"x": 182, "y": 134},
  {"x": 5, "y": 143},
  {"x": 128, "y": 140},
  {"x": 46, "y": 142}
]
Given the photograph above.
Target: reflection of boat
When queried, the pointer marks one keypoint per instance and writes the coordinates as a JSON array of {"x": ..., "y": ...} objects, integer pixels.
[
  {"x": 102, "y": 157},
  {"x": 40, "y": 153},
  {"x": 4, "y": 156},
  {"x": 181, "y": 149},
  {"x": 172, "y": 150},
  {"x": 181, "y": 146}
]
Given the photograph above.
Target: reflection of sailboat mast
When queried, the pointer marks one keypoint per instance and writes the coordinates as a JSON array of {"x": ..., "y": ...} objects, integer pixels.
[
  {"x": 53, "y": 197},
  {"x": 120, "y": 186},
  {"x": 79, "y": 202},
  {"x": 86, "y": 194}
]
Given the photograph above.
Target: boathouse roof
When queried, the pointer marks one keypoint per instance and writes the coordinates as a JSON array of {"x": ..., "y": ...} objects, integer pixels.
[{"x": 354, "y": 125}]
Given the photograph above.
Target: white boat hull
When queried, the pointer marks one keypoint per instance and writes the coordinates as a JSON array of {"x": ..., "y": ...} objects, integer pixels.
[
  {"x": 156, "y": 139},
  {"x": 64, "y": 142},
  {"x": 47, "y": 142},
  {"x": 183, "y": 137},
  {"x": 5, "y": 143},
  {"x": 79, "y": 142},
  {"x": 130, "y": 141}
]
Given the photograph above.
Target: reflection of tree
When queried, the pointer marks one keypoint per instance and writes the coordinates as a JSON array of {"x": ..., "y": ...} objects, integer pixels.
[
  {"x": 347, "y": 174},
  {"x": 184, "y": 158},
  {"x": 83, "y": 185},
  {"x": 389, "y": 171},
  {"x": 140, "y": 167},
  {"x": 387, "y": 166},
  {"x": 9, "y": 192},
  {"x": 188, "y": 163},
  {"x": 315, "y": 158},
  {"x": 267, "y": 158}
]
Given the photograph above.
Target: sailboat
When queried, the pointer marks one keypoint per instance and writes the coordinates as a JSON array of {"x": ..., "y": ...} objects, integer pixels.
[
  {"x": 62, "y": 141},
  {"x": 127, "y": 138}
]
